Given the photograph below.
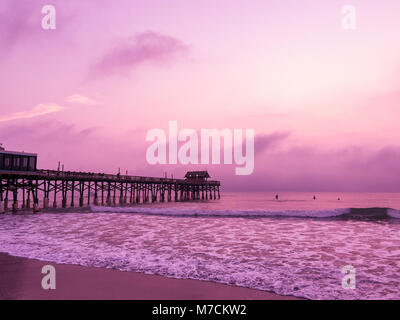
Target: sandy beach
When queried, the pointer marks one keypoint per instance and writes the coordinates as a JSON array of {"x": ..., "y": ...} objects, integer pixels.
[{"x": 20, "y": 278}]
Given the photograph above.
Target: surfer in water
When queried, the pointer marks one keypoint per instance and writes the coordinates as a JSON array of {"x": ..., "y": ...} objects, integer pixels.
[
  {"x": 276, "y": 197},
  {"x": 314, "y": 197}
]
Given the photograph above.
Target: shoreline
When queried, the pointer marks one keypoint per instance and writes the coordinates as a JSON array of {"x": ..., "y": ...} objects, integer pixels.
[{"x": 20, "y": 279}]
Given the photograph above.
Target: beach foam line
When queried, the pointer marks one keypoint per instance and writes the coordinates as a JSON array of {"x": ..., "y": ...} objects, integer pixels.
[
  {"x": 224, "y": 213},
  {"x": 354, "y": 213}
]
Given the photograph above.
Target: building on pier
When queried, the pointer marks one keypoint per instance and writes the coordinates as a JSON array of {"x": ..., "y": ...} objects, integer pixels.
[
  {"x": 17, "y": 161},
  {"x": 197, "y": 175}
]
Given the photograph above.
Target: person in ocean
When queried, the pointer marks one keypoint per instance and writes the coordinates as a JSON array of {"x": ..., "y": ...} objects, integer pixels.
[
  {"x": 314, "y": 197},
  {"x": 276, "y": 197}
]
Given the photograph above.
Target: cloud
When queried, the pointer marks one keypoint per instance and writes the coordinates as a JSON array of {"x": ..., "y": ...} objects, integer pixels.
[
  {"x": 42, "y": 132},
  {"x": 38, "y": 110},
  {"x": 53, "y": 140},
  {"x": 17, "y": 22},
  {"x": 77, "y": 147},
  {"x": 144, "y": 47},
  {"x": 309, "y": 169},
  {"x": 263, "y": 142},
  {"x": 80, "y": 99}
]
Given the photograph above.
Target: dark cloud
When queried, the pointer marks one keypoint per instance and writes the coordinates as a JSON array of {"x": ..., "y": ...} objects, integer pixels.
[
  {"x": 310, "y": 169},
  {"x": 42, "y": 131},
  {"x": 17, "y": 21},
  {"x": 263, "y": 142},
  {"x": 81, "y": 149},
  {"x": 51, "y": 139},
  {"x": 144, "y": 47}
]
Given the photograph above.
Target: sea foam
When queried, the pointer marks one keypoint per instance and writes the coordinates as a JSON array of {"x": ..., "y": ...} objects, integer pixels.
[
  {"x": 302, "y": 257},
  {"x": 196, "y": 212}
]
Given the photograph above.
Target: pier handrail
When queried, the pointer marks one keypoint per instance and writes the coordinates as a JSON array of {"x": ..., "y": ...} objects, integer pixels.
[{"x": 117, "y": 177}]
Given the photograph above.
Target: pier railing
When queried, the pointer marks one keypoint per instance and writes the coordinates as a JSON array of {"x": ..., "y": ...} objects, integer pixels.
[{"x": 118, "y": 177}]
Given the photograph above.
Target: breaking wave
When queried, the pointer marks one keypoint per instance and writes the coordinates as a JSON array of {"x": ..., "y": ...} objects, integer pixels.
[
  {"x": 393, "y": 213},
  {"x": 346, "y": 213}
]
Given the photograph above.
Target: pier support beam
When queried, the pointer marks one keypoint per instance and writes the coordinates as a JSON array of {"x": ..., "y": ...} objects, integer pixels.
[
  {"x": 15, "y": 201},
  {"x": 36, "y": 206},
  {"x": 23, "y": 194},
  {"x": 64, "y": 194},
  {"x": 45, "y": 203},
  {"x": 2, "y": 207},
  {"x": 137, "y": 194},
  {"x": 169, "y": 193},
  {"x": 96, "y": 196},
  {"x": 108, "y": 199},
  {"x": 102, "y": 193},
  {"x": 132, "y": 197},
  {"x": 88, "y": 193},
  {"x": 114, "y": 194},
  {"x": 121, "y": 195},
  {"x": 15, "y": 206},
  {"x": 73, "y": 194},
  {"x": 55, "y": 194},
  {"x": 81, "y": 192}
]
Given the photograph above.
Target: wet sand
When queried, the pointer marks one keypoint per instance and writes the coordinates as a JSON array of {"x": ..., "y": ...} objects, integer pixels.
[{"x": 20, "y": 278}]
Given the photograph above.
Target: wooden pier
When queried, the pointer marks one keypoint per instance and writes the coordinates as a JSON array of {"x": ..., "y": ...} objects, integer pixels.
[{"x": 45, "y": 188}]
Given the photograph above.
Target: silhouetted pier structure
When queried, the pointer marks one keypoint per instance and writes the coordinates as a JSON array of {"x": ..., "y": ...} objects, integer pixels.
[
  {"x": 96, "y": 188},
  {"x": 22, "y": 189}
]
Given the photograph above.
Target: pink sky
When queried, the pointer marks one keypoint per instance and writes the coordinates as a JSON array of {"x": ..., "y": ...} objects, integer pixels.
[{"x": 323, "y": 101}]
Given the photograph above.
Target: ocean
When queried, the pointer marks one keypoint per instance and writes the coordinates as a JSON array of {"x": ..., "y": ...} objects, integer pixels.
[{"x": 291, "y": 246}]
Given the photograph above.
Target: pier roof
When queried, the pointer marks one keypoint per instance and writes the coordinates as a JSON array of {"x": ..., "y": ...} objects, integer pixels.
[{"x": 17, "y": 153}]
